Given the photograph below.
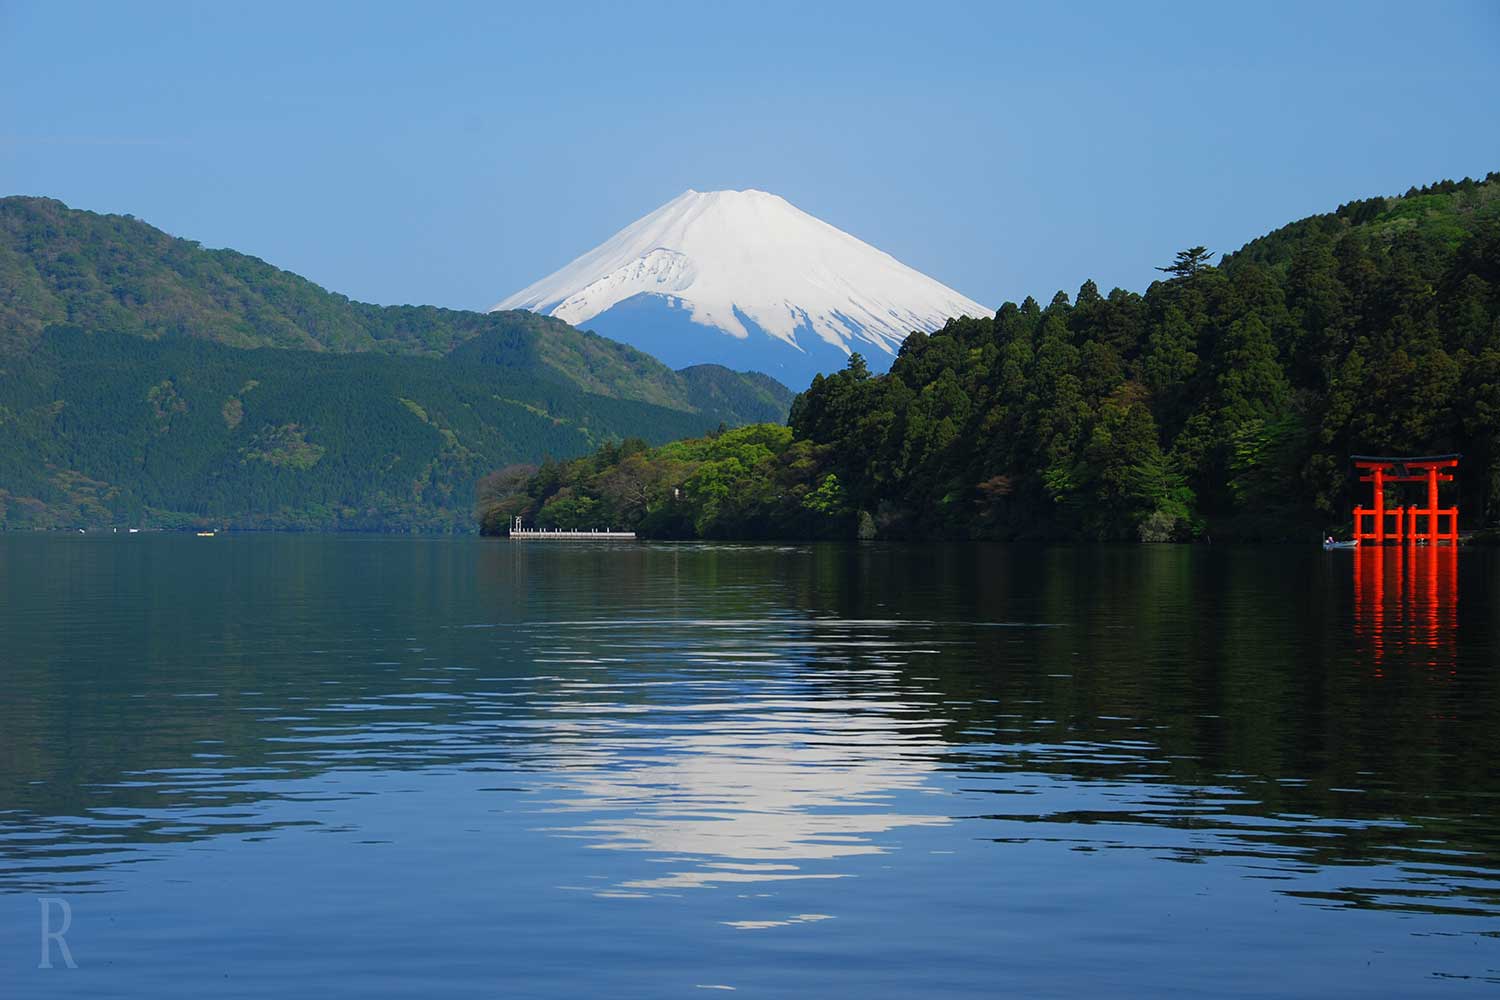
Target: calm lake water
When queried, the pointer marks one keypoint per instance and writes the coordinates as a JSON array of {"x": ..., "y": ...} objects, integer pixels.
[{"x": 261, "y": 766}]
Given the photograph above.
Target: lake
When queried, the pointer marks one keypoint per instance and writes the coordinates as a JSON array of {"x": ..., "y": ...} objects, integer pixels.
[{"x": 272, "y": 766}]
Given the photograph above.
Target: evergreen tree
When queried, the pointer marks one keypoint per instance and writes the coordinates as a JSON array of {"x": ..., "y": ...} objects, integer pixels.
[{"x": 1188, "y": 262}]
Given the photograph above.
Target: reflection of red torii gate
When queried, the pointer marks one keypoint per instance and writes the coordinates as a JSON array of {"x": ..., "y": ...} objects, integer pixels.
[
  {"x": 1406, "y": 605},
  {"x": 1432, "y": 470}
]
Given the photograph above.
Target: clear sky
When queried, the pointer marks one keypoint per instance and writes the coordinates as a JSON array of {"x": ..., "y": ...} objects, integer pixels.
[{"x": 450, "y": 153}]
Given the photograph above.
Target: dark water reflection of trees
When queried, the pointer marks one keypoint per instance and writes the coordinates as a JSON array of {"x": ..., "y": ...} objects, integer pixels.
[{"x": 1337, "y": 708}]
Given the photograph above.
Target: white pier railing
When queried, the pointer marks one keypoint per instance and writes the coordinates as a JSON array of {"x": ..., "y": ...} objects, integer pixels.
[
  {"x": 561, "y": 534},
  {"x": 566, "y": 534}
]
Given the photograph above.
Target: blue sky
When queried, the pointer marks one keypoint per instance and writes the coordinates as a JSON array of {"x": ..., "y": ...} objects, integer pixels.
[{"x": 450, "y": 153}]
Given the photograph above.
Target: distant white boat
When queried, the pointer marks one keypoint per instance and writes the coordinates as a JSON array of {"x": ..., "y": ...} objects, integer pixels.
[{"x": 1330, "y": 545}]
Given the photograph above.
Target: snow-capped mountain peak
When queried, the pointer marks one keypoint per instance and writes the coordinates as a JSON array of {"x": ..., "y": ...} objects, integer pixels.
[{"x": 751, "y": 265}]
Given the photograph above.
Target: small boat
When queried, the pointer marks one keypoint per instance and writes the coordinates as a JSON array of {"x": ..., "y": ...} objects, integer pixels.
[
  {"x": 1329, "y": 545},
  {"x": 205, "y": 534}
]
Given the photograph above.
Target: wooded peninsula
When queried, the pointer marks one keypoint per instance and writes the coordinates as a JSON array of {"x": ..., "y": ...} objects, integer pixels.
[{"x": 1224, "y": 402}]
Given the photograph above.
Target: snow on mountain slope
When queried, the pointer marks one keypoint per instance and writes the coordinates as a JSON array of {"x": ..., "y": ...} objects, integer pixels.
[{"x": 750, "y": 265}]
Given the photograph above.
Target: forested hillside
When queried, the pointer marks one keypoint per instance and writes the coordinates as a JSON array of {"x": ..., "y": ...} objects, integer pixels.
[
  {"x": 108, "y": 429},
  {"x": 145, "y": 380},
  {"x": 1225, "y": 401}
]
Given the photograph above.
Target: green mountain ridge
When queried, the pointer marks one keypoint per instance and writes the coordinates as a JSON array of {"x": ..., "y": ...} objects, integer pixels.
[
  {"x": 124, "y": 352},
  {"x": 63, "y": 266}
]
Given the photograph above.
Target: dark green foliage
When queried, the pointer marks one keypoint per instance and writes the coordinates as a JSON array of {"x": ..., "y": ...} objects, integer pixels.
[
  {"x": 751, "y": 482},
  {"x": 105, "y": 429},
  {"x": 740, "y": 397},
  {"x": 1188, "y": 262},
  {"x": 1225, "y": 400}
]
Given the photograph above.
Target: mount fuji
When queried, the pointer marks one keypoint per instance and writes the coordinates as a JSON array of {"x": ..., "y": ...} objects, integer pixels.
[{"x": 745, "y": 279}]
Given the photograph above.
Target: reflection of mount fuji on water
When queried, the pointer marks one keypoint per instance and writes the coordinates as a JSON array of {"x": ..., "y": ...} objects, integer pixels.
[
  {"x": 744, "y": 279},
  {"x": 750, "y": 766}
]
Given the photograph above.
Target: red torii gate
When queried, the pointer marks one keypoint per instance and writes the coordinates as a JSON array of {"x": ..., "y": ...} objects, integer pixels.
[{"x": 1430, "y": 469}]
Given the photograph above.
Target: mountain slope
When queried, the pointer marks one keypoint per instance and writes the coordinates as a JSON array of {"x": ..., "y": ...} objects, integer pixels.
[
  {"x": 744, "y": 276},
  {"x": 145, "y": 380},
  {"x": 115, "y": 273}
]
